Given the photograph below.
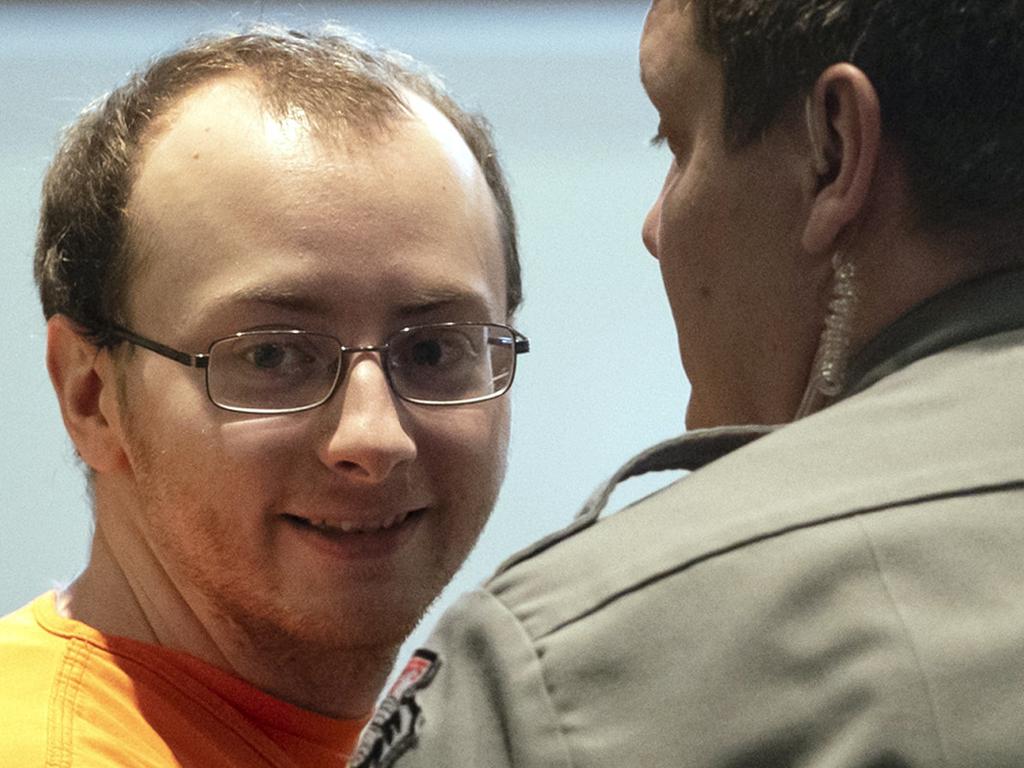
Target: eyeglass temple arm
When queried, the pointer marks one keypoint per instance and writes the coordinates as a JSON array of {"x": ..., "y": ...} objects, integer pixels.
[
  {"x": 193, "y": 361},
  {"x": 522, "y": 344}
]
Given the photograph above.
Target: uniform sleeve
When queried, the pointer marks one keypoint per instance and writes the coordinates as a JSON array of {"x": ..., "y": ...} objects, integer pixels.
[{"x": 479, "y": 699}]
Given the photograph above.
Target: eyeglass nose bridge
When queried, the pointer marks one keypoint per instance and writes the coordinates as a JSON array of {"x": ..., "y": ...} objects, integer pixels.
[
  {"x": 382, "y": 348},
  {"x": 343, "y": 367}
]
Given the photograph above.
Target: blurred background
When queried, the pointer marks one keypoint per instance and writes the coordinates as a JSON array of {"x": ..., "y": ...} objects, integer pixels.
[{"x": 558, "y": 81}]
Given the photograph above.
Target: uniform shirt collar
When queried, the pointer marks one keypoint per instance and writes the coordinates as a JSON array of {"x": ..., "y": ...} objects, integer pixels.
[{"x": 991, "y": 304}]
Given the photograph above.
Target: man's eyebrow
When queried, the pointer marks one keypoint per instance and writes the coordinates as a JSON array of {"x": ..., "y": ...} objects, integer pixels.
[
  {"x": 280, "y": 297},
  {"x": 418, "y": 301},
  {"x": 440, "y": 298}
]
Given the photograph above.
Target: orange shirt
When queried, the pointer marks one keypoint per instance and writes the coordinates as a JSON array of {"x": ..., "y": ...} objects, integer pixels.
[{"x": 72, "y": 697}]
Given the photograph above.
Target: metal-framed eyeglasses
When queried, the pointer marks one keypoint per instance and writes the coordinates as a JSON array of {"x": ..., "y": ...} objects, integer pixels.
[{"x": 286, "y": 371}]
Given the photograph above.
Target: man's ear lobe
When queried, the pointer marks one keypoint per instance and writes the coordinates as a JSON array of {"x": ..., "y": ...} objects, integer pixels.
[
  {"x": 844, "y": 124},
  {"x": 84, "y": 379}
]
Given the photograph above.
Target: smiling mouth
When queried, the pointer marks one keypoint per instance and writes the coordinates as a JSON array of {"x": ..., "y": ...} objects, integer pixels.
[{"x": 339, "y": 527}]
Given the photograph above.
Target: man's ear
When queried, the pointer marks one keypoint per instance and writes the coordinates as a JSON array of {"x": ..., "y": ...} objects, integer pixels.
[
  {"x": 85, "y": 380},
  {"x": 845, "y": 128}
]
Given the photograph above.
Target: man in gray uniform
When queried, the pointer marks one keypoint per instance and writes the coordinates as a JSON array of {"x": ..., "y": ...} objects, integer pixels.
[{"x": 839, "y": 236}]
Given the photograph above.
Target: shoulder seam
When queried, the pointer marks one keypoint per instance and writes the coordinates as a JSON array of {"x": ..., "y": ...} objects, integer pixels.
[
  {"x": 61, "y": 715},
  {"x": 567, "y": 761},
  {"x": 711, "y": 554},
  {"x": 63, "y": 697}
]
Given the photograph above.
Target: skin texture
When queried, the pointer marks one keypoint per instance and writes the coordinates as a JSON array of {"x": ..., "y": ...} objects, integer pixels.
[
  {"x": 726, "y": 231},
  {"x": 244, "y": 221},
  {"x": 745, "y": 236}
]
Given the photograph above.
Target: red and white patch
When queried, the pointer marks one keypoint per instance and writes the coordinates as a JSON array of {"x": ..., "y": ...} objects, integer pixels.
[{"x": 421, "y": 663}]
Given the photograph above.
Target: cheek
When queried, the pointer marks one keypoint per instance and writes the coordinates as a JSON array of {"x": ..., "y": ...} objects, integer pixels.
[
  {"x": 691, "y": 210},
  {"x": 166, "y": 415},
  {"x": 464, "y": 458},
  {"x": 217, "y": 461},
  {"x": 471, "y": 445},
  {"x": 260, "y": 440},
  {"x": 691, "y": 239}
]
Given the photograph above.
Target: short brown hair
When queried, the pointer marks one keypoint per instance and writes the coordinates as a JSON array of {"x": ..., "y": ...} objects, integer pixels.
[
  {"x": 82, "y": 256},
  {"x": 949, "y": 75}
]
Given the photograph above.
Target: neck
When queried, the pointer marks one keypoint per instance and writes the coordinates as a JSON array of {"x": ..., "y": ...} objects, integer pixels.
[
  {"x": 125, "y": 592},
  {"x": 888, "y": 283}
]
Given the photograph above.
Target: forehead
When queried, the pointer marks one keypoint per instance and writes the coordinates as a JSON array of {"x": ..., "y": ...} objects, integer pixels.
[
  {"x": 230, "y": 199},
  {"x": 674, "y": 69}
]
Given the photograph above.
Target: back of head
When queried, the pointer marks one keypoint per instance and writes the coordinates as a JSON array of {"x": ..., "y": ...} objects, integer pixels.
[
  {"x": 336, "y": 80},
  {"x": 949, "y": 75}
]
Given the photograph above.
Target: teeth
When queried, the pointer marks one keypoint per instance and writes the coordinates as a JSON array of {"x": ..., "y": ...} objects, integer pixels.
[
  {"x": 396, "y": 520},
  {"x": 346, "y": 526}
]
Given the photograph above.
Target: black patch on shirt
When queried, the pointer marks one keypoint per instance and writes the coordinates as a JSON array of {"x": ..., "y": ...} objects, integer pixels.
[{"x": 394, "y": 729}]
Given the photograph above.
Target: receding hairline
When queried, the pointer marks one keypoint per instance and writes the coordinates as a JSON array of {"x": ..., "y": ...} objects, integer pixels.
[
  {"x": 347, "y": 137},
  {"x": 343, "y": 82},
  {"x": 340, "y": 127},
  {"x": 340, "y": 132}
]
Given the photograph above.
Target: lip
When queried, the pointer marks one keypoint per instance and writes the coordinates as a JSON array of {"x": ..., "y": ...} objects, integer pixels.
[
  {"x": 331, "y": 525},
  {"x": 361, "y": 540}
]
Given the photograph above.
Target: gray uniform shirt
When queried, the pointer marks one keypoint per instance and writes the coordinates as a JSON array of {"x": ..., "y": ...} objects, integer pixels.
[{"x": 845, "y": 591}]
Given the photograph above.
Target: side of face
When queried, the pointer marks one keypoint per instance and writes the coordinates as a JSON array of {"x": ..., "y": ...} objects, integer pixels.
[
  {"x": 244, "y": 221},
  {"x": 726, "y": 231}
]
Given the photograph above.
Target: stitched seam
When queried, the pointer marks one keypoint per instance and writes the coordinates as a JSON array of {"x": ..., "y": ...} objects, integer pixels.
[
  {"x": 908, "y": 639},
  {"x": 60, "y": 738},
  {"x": 59, "y": 733},
  {"x": 63, "y": 699},
  {"x": 566, "y": 754},
  {"x": 776, "y": 533},
  {"x": 213, "y": 711}
]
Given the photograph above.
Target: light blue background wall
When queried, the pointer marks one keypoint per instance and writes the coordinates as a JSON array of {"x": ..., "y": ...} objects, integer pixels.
[{"x": 558, "y": 80}]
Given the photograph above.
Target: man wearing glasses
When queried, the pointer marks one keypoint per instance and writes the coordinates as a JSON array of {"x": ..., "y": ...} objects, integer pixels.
[{"x": 278, "y": 271}]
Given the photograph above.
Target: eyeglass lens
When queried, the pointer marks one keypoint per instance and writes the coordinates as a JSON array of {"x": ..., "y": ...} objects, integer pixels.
[{"x": 285, "y": 370}]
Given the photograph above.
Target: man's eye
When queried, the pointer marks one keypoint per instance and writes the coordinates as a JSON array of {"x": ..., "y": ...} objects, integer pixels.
[
  {"x": 266, "y": 355},
  {"x": 277, "y": 356},
  {"x": 444, "y": 350},
  {"x": 439, "y": 351},
  {"x": 427, "y": 353}
]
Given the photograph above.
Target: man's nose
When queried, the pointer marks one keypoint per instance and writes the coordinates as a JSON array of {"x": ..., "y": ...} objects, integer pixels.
[
  {"x": 650, "y": 228},
  {"x": 369, "y": 440}
]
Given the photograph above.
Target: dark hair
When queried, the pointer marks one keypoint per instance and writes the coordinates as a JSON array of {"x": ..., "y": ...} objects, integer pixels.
[
  {"x": 949, "y": 76},
  {"x": 83, "y": 260}
]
